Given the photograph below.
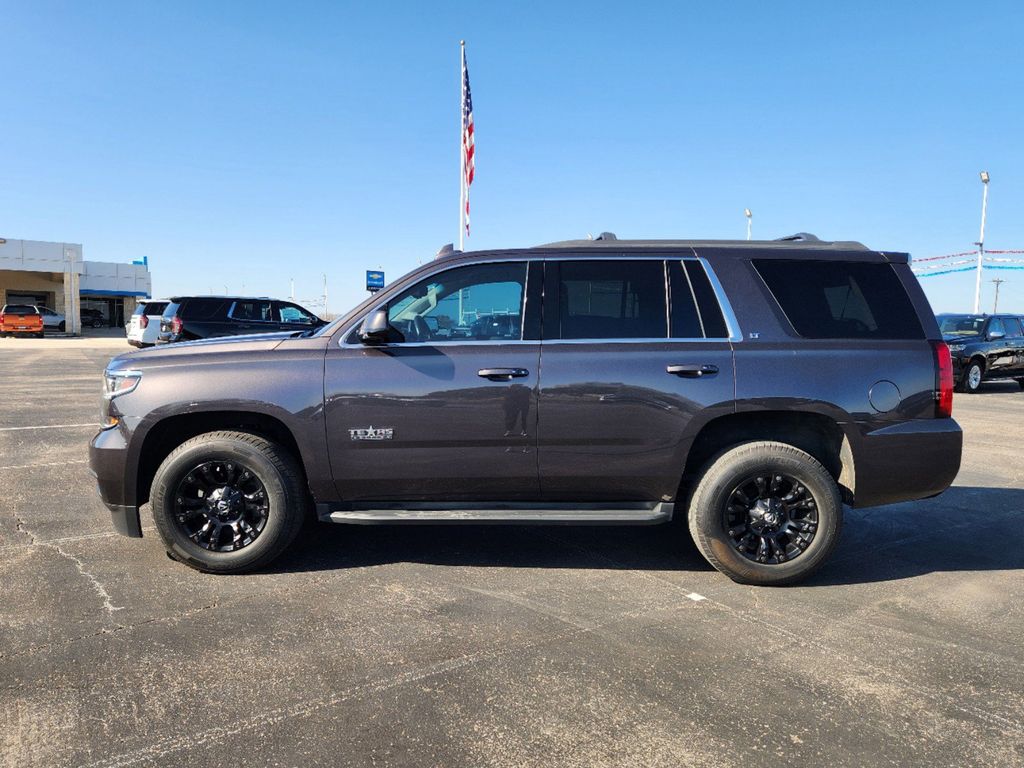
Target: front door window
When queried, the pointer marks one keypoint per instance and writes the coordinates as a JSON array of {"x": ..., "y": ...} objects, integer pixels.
[{"x": 482, "y": 302}]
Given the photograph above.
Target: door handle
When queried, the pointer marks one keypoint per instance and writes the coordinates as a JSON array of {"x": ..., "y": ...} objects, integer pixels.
[
  {"x": 502, "y": 374},
  {"x": 693, "y": 371}
]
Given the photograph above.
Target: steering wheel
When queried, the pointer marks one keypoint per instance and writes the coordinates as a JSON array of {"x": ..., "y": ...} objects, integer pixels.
[{"x": 420, "y": 328}]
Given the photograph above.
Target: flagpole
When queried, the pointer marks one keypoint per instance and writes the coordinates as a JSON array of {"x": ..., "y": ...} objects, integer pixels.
[{"x": 462, "y": 149}]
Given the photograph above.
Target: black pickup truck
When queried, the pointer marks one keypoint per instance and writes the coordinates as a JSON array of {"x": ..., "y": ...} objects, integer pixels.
[
  {"x": 748, "y": 388},
  {"x": 984, "y": 347}
]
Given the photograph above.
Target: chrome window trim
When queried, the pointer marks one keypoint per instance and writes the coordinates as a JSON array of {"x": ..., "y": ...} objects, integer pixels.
[{"x": 731, "y": 323}]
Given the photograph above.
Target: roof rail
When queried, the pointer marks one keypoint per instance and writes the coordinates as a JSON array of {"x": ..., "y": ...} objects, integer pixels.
[{"x": 800, "y": 237}]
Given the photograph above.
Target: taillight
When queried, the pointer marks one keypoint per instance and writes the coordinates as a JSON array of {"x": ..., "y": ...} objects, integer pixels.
[
  {"x": 176, "y": 326},
  {"x": 143, "y": 321},
  {"x": 943, "y": 380},
  {"x": 1, "y": 319}
]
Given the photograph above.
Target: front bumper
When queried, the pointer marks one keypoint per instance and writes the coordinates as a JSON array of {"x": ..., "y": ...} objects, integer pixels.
[
  {"x": 108, "y": 455},
  {"x": 907, "y": 461}
]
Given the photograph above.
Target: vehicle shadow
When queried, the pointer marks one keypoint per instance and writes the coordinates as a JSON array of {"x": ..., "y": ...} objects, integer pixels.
[
  {"x": 965, "y": 529},
  {"x": 999, "y": 386}
]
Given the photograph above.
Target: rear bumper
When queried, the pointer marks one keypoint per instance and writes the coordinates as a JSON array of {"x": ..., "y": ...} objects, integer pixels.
[
  {"x": 907, "y": 461},
  {"x": 108, "y": 455}
]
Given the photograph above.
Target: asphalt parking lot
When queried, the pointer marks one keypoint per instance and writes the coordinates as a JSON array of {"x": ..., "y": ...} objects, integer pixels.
[{"x": 498, "y": 646}]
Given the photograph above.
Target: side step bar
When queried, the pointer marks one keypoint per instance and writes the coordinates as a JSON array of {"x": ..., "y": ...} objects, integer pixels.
[{"x": 639, "y": 513}]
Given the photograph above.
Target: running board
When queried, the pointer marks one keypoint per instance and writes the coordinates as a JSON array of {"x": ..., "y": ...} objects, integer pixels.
[{"x": 640, "y": 513}]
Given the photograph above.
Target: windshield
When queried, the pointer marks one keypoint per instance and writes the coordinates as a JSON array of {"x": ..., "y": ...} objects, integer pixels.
[{"x": 961, "y": 325}]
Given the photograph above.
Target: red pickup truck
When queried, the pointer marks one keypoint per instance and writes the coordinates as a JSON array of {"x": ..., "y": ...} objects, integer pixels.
[{"x": 20, "y": 318}]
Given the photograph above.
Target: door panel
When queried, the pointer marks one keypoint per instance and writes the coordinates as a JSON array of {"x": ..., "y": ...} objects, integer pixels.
[
  {"x": 447, "y": 410},
  {"x": 440, "y": 431},
  {"x": 613, "y": 419},
  {"x": 617, "y": 393}
]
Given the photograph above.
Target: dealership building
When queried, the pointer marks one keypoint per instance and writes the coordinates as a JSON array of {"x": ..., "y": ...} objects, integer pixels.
[{"x": 55, "y": 275}]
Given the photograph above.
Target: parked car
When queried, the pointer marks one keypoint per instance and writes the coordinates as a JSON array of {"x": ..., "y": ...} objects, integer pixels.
[
  {"x": 984, "y": 348},
  {"x": 92, "y": 318},
  {"x": 143, "y": 326},
  {"x": 21, "y": 319},
  {"x": 51, "y": 318},
  {"x": 751, "y": 388},
  {"x": 188, "y": 318}
]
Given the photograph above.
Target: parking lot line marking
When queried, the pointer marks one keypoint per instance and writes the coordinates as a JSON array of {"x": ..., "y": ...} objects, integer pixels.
[
  {"x": 695, "y": 597},
  {"x": 49, "y": 464},
  {"x": 49, "y": 426}
]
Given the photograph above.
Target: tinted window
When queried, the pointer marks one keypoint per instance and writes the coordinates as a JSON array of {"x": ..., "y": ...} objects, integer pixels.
[
  {"x": 841, "y": 299},
  {"x": 20, "y": 309},
  {"x": 612, "y": 300},
  {"x": 200, "y": 309},
  {"x": 685, "y": 320},
  {"x": 155, "y": 307},
  {"x": 253, "y": 310},
  {"x": 711, "y": 318},
  {"x": 140, "y": 309},
  {"x": 995, "y": 325},
  {"x": 481, "y": 302},
  {"x": 1013, "y": 326}
]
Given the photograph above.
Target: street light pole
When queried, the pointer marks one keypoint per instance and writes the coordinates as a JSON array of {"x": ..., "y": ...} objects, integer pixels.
[
  {"x": 995, "y": 304},
  {"x": 750, "y": 219},
  {"x": 981, "y": 240}
]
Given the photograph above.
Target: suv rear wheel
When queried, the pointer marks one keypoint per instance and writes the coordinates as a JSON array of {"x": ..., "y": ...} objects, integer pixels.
[
  {"x": 228, "y": 502},
  {"x": 766, "y": 513}
]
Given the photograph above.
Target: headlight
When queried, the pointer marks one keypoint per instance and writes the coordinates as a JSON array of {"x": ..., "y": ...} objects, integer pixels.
[
  {"x": 955, "y": 348},
  {"x": 117, "y": 383}
]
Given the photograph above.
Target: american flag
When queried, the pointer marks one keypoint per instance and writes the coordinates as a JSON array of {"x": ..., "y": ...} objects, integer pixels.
[{"x": 468, "y": 143}]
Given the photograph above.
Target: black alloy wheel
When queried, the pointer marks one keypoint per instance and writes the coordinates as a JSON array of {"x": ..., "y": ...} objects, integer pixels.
[
  {"x": 228, "y": 501},
  {"x": 765, "y": 513},
  {"x": 771, "y": 518},
  {"x": 221, "y": 505}
]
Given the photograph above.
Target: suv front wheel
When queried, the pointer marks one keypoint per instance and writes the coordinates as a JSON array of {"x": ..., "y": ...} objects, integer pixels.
[
  {"x": 766, "y": 513},
  {"x": 228, "y": 502}
]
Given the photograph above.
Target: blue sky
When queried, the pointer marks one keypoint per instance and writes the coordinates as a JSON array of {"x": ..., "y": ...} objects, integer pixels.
[{"x": 240, "y": 145}]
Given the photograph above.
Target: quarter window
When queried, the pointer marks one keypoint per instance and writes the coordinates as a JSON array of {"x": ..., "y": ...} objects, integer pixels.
[
  {"x": 481, "y": 302},
  {"x": 841, "y": 299},
  {"x": 612, "y": 300}
]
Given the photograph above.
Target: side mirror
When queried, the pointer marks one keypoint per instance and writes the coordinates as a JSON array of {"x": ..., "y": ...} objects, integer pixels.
[
  {"x": 995, "y": 335},
  {"x": 375, "y": 328}
]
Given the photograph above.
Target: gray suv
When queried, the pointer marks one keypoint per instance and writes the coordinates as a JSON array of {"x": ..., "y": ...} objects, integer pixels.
[{"x": 749, "y": 388}]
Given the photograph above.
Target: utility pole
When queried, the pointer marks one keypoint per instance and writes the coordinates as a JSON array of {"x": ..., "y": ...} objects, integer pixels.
[
  {"x": 995, "y": 304},
  {"x": 750, "y": 219},
  {"x": 981, "y": 240}
]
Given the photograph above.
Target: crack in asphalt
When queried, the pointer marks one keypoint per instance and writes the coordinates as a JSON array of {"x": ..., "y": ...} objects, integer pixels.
[{"x": 95, "y": 583}]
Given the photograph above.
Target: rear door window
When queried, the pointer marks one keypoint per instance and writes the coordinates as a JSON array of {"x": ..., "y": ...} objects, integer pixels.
[
  {"x": 841, "y": 299},
  {"x": 610, "y": 299},
  {"x": 253, "y": 310}
]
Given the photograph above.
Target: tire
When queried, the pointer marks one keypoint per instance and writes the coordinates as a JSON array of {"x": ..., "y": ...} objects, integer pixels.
[
  {"x": 1020, "y": 382},
  {"x": 973, "y": 375},
  {"x": 97, "y": 323},
  {"x": 61, "y": 327},
  {"x": 228, "y": 457},
  {"x": 802, "y": 551}
]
